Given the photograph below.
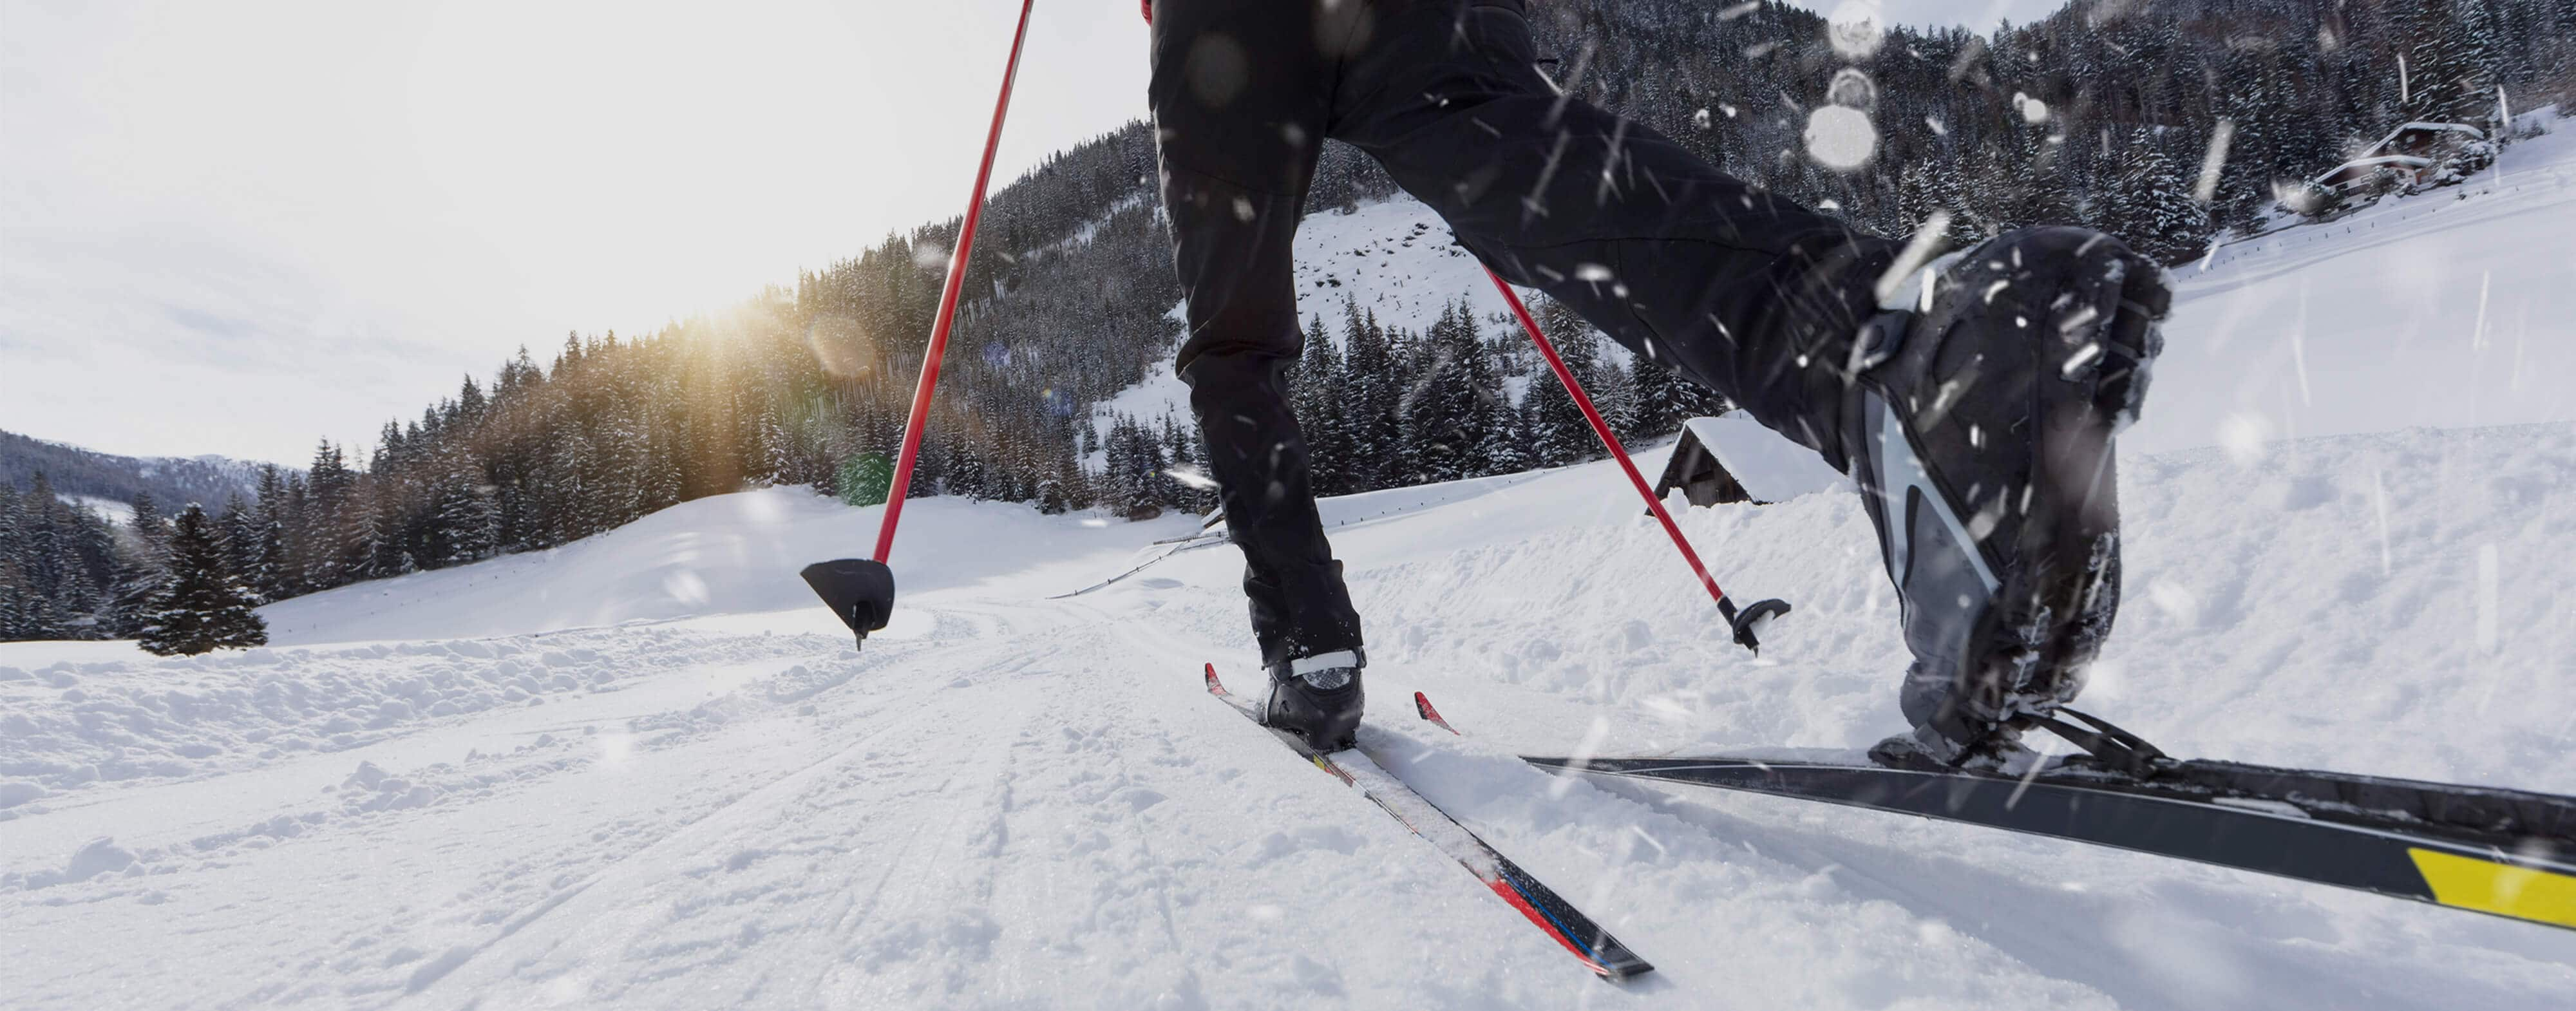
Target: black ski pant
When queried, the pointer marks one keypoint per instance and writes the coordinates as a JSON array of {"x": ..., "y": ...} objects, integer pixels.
[{"x": 1749, "y": 294}]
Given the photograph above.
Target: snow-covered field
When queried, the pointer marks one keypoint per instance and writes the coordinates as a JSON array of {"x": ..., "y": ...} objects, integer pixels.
[{"x": 645, "y": 770}]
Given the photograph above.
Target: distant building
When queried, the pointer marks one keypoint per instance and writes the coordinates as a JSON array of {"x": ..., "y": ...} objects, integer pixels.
[
  {"x": 1735, "y": 459},
  {"x": 1696, "y": 470},
  {"x": 2409, "y": 155}
]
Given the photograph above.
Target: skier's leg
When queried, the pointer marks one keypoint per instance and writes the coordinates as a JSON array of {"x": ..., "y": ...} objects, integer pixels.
[
  {"x": 1977, "y": 423},
  {"x": 1239, "y": 118},
  {"x": 1731, "y": 286}
]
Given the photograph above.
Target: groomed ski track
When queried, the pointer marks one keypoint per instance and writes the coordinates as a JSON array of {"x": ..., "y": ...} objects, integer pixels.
[{"x": 645, "y": 771}]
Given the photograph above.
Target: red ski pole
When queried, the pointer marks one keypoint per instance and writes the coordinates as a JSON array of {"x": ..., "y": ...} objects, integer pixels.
[
  {"x": 861, "y": 591},
  {"x": 1744, "y": 623}
]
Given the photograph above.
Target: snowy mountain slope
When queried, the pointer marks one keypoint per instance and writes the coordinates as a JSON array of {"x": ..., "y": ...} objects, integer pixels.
[
  {"x": 109, "y": 482},
  {"x": 1021, "y": 802}
]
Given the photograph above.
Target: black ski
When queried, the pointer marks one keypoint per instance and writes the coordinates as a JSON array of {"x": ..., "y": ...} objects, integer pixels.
[
  {"x": 2505, "y": 852},
  {"x": 1599, "y": 951}
]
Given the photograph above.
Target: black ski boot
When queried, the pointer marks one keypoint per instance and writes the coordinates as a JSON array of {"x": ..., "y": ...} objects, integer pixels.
[
  {"x": 1317, "y": 698},
  {"x": 1978, "y": 426}
]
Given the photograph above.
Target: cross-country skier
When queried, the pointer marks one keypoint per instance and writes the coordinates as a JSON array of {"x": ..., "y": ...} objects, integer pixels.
[{"x": 1973, "y": 401}]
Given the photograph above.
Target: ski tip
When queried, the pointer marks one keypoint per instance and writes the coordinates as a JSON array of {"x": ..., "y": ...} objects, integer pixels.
[
  {"x": 1214, "y": 686},
  {"x": 1605, "y": 956},
  {"x": 1422, "y": 707}
]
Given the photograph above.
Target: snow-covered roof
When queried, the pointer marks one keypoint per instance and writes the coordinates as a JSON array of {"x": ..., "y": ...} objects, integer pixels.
[
  {"x": 2444, "y": 127},
  {"x": 2405, "y": 160},
  {"x": 1769, "y": 466},
  {"x": 2420, "y": 125}
]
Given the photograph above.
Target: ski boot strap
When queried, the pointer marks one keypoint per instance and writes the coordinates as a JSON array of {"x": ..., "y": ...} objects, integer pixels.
[{"x": 2119, "y": 749}]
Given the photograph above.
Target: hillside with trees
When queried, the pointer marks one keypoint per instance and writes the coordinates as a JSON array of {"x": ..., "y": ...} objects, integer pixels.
[{"x": 83, "y": 473}]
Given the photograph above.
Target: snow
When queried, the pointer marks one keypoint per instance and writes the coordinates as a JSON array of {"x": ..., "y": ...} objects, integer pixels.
[
  {"x": 2406, "y": 160},
  {"x": 2449, "y": 308},
  {"x": 116, "y": 512},
  {"x": 646, "y": 770},
  {"x": 1007, "y": 801},
  {"x": 725, "y": 555}
]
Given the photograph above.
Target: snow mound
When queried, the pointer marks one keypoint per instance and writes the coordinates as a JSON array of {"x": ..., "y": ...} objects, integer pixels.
[{"x": 725, "y": 554}]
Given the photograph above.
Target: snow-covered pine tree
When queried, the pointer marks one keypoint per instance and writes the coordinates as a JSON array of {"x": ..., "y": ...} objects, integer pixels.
[
  {"x": 204, "y": 607},
  {"x": 149, "y": 523},
  {"x": 142, "y": 570},
  {"x": 2450, "y": 68},
  {"x": 15, "y": 593},
  {"x": 267, "y": 551},
  {"x": 1664, "y": 399},
  {"x": 1558, "y": 433},
  {"x": 61, "y": 544},
  {"x": 1613, "y": 392},
  {"x": 332, "y": 532},
  {"x": 562, "y": 492},
  {"x": 468, "y": 521},
  {"x": 241, "y": 538},
  {"x": 664, "y": 482},
  {"x": 1374, "y": 432},
  {"x": 1490, "y": 416},
  {"x": 2155, "y": 212},
  {"x": 1316, "y": 394},
  {"x": 1444, "y": 413}
]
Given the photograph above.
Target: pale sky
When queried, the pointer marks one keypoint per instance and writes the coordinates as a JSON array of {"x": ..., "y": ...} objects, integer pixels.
[{"x": 238, "y": 227}]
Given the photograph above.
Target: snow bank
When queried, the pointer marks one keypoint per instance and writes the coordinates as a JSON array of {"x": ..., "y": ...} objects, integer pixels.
[{"x": 725, "y": 554}]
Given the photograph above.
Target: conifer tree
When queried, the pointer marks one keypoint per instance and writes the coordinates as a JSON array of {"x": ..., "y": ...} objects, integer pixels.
[
  {"x": 267, "y": 552},
  {"x": 204, "y": 607},
  {"x": 16, "y": 594},
  {"x": 142, "y": 570},
  {"x": 1558, "y": 432},
  {"x": 2155, "y": 212},
  {"x": 1317, "y": 396}
]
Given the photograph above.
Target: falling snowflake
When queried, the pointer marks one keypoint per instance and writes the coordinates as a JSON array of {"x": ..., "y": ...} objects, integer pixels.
[
  {"x": 2033, "y": 111},
  {"x": 1840, "y": 137},
  {"x": 1857, "y": 28},
  {"x": 1852, "y": 88}
]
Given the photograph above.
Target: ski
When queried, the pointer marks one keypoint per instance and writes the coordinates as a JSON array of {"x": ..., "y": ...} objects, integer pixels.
[
  {"x": 1599, "y": 952},
  {"x": 2508, "y": 853}
]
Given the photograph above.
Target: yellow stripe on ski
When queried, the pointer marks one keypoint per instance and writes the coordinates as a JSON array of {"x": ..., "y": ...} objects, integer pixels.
[{"x": 2499, "y": 888}]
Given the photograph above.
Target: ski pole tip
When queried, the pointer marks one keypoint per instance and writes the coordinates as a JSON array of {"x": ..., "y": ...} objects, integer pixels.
[
  {"x": 1752, "y": 621},
  {"x": 859, "y": 591}
]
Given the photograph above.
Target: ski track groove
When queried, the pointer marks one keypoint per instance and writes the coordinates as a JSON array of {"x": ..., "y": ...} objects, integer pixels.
[
  {"x": 712, "y": 823},
  {"x": 672, "y": 837}
]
